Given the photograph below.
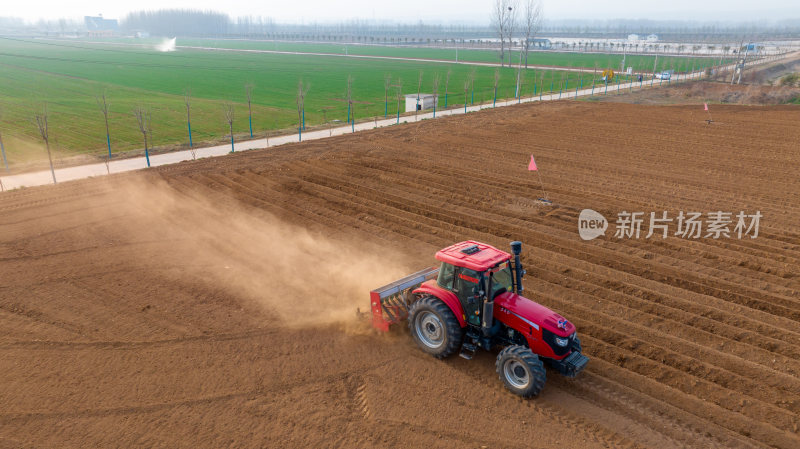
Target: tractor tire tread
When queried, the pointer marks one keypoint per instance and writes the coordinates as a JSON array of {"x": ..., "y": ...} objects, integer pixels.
[
  {"x": 532, "y": 361},
  {"x": 453, "y": 329}
]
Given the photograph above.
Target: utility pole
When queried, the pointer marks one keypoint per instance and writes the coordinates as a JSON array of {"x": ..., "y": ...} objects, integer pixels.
[
  {"x": 399, "y": 87},
  {"x": 744, "y": 60},
  {"x": 519, "y": 72},
  {"x": 655, "y": 63},
  {"x": 249, "y": 91},
  {"x": 41, "y": 122},
  {"x": 104, "y": 109},
  {"x": 736, "y": 64},
  {"x": 187, "y": 100}
]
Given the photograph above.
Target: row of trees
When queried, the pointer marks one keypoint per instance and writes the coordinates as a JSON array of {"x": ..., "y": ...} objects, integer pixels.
[
  {"x": 178, "y": 22},
  {"x": 188, "y": 22},
  {"x": 693, "y": 28},
  {"x": 645, "y": 47},
  {"x": 195, "y": 22}
]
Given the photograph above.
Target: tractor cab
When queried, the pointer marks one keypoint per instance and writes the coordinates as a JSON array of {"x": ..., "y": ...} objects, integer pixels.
[{"x": 471, "y": 270}]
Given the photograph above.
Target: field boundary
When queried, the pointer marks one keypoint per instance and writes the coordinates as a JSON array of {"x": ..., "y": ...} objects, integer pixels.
[{"x": 43, "y": 177}]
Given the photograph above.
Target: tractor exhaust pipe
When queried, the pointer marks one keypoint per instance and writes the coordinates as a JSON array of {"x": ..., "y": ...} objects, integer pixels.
[
  {"x": 488, "y": 317},
  {"x": 516, "y": 248}
]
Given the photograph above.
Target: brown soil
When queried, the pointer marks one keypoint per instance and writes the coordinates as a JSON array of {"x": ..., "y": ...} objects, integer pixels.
[
  {"x": 772, "y": 73},
  {"x": 699, "y": 92},
  {"x": 212, "y": 303}
]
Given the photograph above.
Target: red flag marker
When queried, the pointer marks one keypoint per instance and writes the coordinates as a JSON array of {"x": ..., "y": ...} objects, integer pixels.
[
  {"x": 532, "y": 165},
  {"x": 709, "y": 120}
]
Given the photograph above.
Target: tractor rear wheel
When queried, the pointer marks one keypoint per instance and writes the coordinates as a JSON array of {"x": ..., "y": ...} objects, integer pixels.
[
  {"x": 434, "y": 327},
  {"x": 521, "y": 371}
]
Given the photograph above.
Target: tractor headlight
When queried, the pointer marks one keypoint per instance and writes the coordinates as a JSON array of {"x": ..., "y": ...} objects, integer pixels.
[{"x": 562, "y": 341}]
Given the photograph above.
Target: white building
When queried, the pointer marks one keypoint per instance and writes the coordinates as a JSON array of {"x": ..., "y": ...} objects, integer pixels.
[
  {"x": 633, "y": 37},
  {"x": 652, "y": 38},
  {"x": 425, "y": 101}
]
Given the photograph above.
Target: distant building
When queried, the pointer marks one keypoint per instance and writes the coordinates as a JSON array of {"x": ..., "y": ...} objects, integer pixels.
[
  {"x": 652, "y": 38},
  {"x": 633, "y": 37},
  {"x": 540, "y": 44},
  {"x": 751, "y": 46},
  {"x": 100, "y": 27},
  {"x": 425, "y": 101}
]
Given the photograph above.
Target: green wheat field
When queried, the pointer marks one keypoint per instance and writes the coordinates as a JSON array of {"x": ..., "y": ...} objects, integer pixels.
[{"x": 68, "y": 76}]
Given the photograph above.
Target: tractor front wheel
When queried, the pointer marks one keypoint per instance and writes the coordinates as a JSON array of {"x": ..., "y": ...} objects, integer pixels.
[
  {"x": 434, "y": 327},
  {"x": 521, "y": 371}
]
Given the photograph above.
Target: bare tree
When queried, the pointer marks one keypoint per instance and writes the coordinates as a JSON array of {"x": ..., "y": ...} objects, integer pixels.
[
  {"x": 142, "y": 115},
  {"x": 229, "y": 111},
  {"x": 531, "y": 23},
  {"x": 471, "y": 79},
  {"x": 496, "y": 82},
  {"x": 187, "y": 100},
  {"x": 348, "y": 95},
  {"x": 447, "y": 86},
  {"x": 511, "y": 26},
  {"x": 248, "y": 88},
  {"x": 467, "y": 83},
  {"x": 302, "y": 90},
  {"x": 40, "y": 118},
  {"x": 500, "y": 12},
  {"x": 387, "y": 83},
  {"x": 324, "y": 111},
  {"x": 103, "y": 105},
  {"x": 399, "y": 87}
]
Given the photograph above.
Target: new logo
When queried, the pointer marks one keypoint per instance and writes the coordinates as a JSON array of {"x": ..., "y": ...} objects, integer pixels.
[{"x": 591, "y": 224}]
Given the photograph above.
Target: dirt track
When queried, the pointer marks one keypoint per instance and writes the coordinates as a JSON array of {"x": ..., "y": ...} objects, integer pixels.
[
  {"x": 708, "y": 92},
  {"x": 212, "y": 303}
]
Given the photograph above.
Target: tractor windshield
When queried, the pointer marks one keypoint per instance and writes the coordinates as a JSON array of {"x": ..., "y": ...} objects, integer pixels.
[{"x": 501, "y": 279}]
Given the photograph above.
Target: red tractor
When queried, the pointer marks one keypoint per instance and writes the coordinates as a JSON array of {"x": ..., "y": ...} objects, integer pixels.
[{"x": 474, "y": 300}]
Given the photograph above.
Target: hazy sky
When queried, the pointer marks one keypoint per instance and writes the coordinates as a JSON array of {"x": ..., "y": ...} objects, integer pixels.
[{"x": 473, "y": 11}]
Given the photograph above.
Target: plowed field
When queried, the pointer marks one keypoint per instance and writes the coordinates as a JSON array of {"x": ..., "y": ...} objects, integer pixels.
[{"x": 213, "y": 303}]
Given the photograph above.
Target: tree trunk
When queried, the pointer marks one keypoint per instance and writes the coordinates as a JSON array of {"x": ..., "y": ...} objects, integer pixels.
[
  {"x": 527, "y": 49},
  {"x": 50, "y": 157}
]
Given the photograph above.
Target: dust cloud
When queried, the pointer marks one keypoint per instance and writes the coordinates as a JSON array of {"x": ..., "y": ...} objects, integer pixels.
[
  {"x": 303, "y": 278},
  {"x": 167, "y": 45}
]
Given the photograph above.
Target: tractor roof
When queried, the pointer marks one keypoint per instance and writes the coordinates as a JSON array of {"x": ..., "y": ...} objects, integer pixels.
[{"x": 473, "y": 255}]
